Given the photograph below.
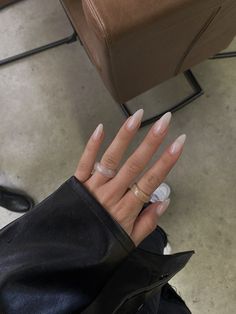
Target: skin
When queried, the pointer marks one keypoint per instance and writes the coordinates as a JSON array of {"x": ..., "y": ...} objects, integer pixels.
[{"x": 114, "y": 194}]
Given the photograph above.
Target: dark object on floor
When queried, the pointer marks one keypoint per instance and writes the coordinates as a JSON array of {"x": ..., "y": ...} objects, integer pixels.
[{"x": 15, "y": 201}]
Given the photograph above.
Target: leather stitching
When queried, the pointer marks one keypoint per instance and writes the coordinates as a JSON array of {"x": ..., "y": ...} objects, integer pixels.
[
  {"x": 197, "y": 38},
  {"x": 98, "y": 19},
  {"x": 107, "y": 39}
]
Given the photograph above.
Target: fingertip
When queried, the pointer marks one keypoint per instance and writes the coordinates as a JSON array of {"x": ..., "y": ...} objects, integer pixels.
[
  {"x": 97, "y": 134},
  {"x": 178, "y": 144},
  {"x": 161, "y": 126},
  {"x": 162, "y": 207},
  {"x": 134, "y": 122}
]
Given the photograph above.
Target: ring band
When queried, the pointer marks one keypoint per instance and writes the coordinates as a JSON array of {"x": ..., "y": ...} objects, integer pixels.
[
  {"x": 109, "y": 173},
  {"x": 142, "y": 196}
]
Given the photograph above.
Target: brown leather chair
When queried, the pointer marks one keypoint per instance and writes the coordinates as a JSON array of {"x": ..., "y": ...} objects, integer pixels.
[{"x": 136, "y": 45}]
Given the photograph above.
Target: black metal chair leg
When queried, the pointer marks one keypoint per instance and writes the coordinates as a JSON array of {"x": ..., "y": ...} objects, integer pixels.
[
  {"x": 224, "y": 55},
  {"x": 34, "y": 51},
  {"x": 197, "y": 92}
]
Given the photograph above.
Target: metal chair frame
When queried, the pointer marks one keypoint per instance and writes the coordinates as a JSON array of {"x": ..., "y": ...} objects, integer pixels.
[{"x": 197, "y": 89}]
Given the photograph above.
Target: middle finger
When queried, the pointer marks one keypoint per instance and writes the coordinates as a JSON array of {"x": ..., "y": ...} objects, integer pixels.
[
  {"x": 155, "y": 175},
  {"x": 138, "y": 161}
]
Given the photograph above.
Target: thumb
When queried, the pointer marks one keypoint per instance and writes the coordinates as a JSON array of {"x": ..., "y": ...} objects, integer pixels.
[{"x": 147, "y": 221}]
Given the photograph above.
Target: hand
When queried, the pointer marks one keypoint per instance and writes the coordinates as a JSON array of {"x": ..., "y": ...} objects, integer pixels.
[{"x": 114, "y": 194}]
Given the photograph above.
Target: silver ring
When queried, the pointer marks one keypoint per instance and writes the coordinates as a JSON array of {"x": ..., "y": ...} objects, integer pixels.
[{"x": 109, "y": 173}]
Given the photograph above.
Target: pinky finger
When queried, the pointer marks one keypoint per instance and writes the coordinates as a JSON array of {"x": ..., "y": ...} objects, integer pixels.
[
  {"x": 87, "y": 161},
  {"x": 147, "y": 221}
]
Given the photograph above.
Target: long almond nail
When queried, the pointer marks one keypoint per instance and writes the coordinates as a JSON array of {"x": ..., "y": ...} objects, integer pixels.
[
  {"x": 135, "y": 121},
  {"x": 161, "y": 125},
  {"x": 178, "y": 144},
  {"x": 98, "y": 132},
  {"x": 161, "y": 208}
]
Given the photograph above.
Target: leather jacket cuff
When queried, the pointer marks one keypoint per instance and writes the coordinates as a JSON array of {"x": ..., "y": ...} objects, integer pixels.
[
  {"x": 66, "y": 248},
  {"x": 102, "y": 215}
]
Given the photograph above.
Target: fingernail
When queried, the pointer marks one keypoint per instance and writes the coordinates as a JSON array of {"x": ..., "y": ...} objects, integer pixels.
[
  {"x": 98, "y": 132},
  {"x": 178, "y": 144},
  {"x": 161, "y": 125},
  {"x": 161, "y": 208},
  {"x": 135, "y": 121}
]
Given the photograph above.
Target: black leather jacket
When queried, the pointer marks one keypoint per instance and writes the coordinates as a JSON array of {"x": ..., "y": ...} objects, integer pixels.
[{"x": 69, "y": 256}]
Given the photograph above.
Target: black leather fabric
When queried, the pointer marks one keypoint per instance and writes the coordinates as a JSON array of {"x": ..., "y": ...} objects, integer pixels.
[
  {"x": 165, "y": 302},
  {"x": 139, "y": 277},
  {"x": 171, "y": 302},
  {"x": 69, "y": 256}
]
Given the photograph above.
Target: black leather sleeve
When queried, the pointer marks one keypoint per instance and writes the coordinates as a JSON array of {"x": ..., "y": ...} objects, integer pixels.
[{"x": 56, "y": 258}]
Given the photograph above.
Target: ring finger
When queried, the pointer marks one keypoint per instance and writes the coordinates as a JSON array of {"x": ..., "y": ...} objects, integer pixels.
[
  {"x": 155, "y": 175},
  {"x": 138, "y": 161}
]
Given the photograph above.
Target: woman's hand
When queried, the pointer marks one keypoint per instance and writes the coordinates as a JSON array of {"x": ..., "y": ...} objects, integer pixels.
[{"x": 114, "y": 193}]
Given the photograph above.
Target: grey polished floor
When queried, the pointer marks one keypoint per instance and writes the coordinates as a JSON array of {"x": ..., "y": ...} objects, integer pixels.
[{"x": 50, "y": 104}]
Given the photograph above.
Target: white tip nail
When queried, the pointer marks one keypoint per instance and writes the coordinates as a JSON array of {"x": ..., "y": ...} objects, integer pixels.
[
  {"x": 135, "y": 121},
  {"x": 178, "y": 144},
  {"x": 98, "y": 132},
  {"x": 162, "y": 124}
]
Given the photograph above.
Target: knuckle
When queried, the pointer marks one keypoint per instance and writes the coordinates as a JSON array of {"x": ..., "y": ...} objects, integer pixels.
[
  {"x": 106, "y": 197},
  {"x": 134, "y": 167},
  {"x": 83, "y": 166},
  {"x": 110, "y": 161},
  {"x": 82, "y": 171},
  {"x": 152, "y": 181}
]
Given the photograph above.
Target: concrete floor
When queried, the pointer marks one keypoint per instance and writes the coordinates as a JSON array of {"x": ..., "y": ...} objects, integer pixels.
[{"x": 51, "y": 102}]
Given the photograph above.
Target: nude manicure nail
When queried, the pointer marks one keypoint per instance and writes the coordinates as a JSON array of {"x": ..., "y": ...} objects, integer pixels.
[
  {"x": 134, "y": 121},
  {"x": 178, "y": 144},
  {"x": 161, "y": 125},
  {"x": 98, "y": 132},
  {"x": 161, "y": 208}
]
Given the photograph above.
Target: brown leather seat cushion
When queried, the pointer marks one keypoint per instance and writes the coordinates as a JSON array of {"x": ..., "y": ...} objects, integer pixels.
[
  {"x": 136, "y": 45},
  {"x": 95, "y": 48}
]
